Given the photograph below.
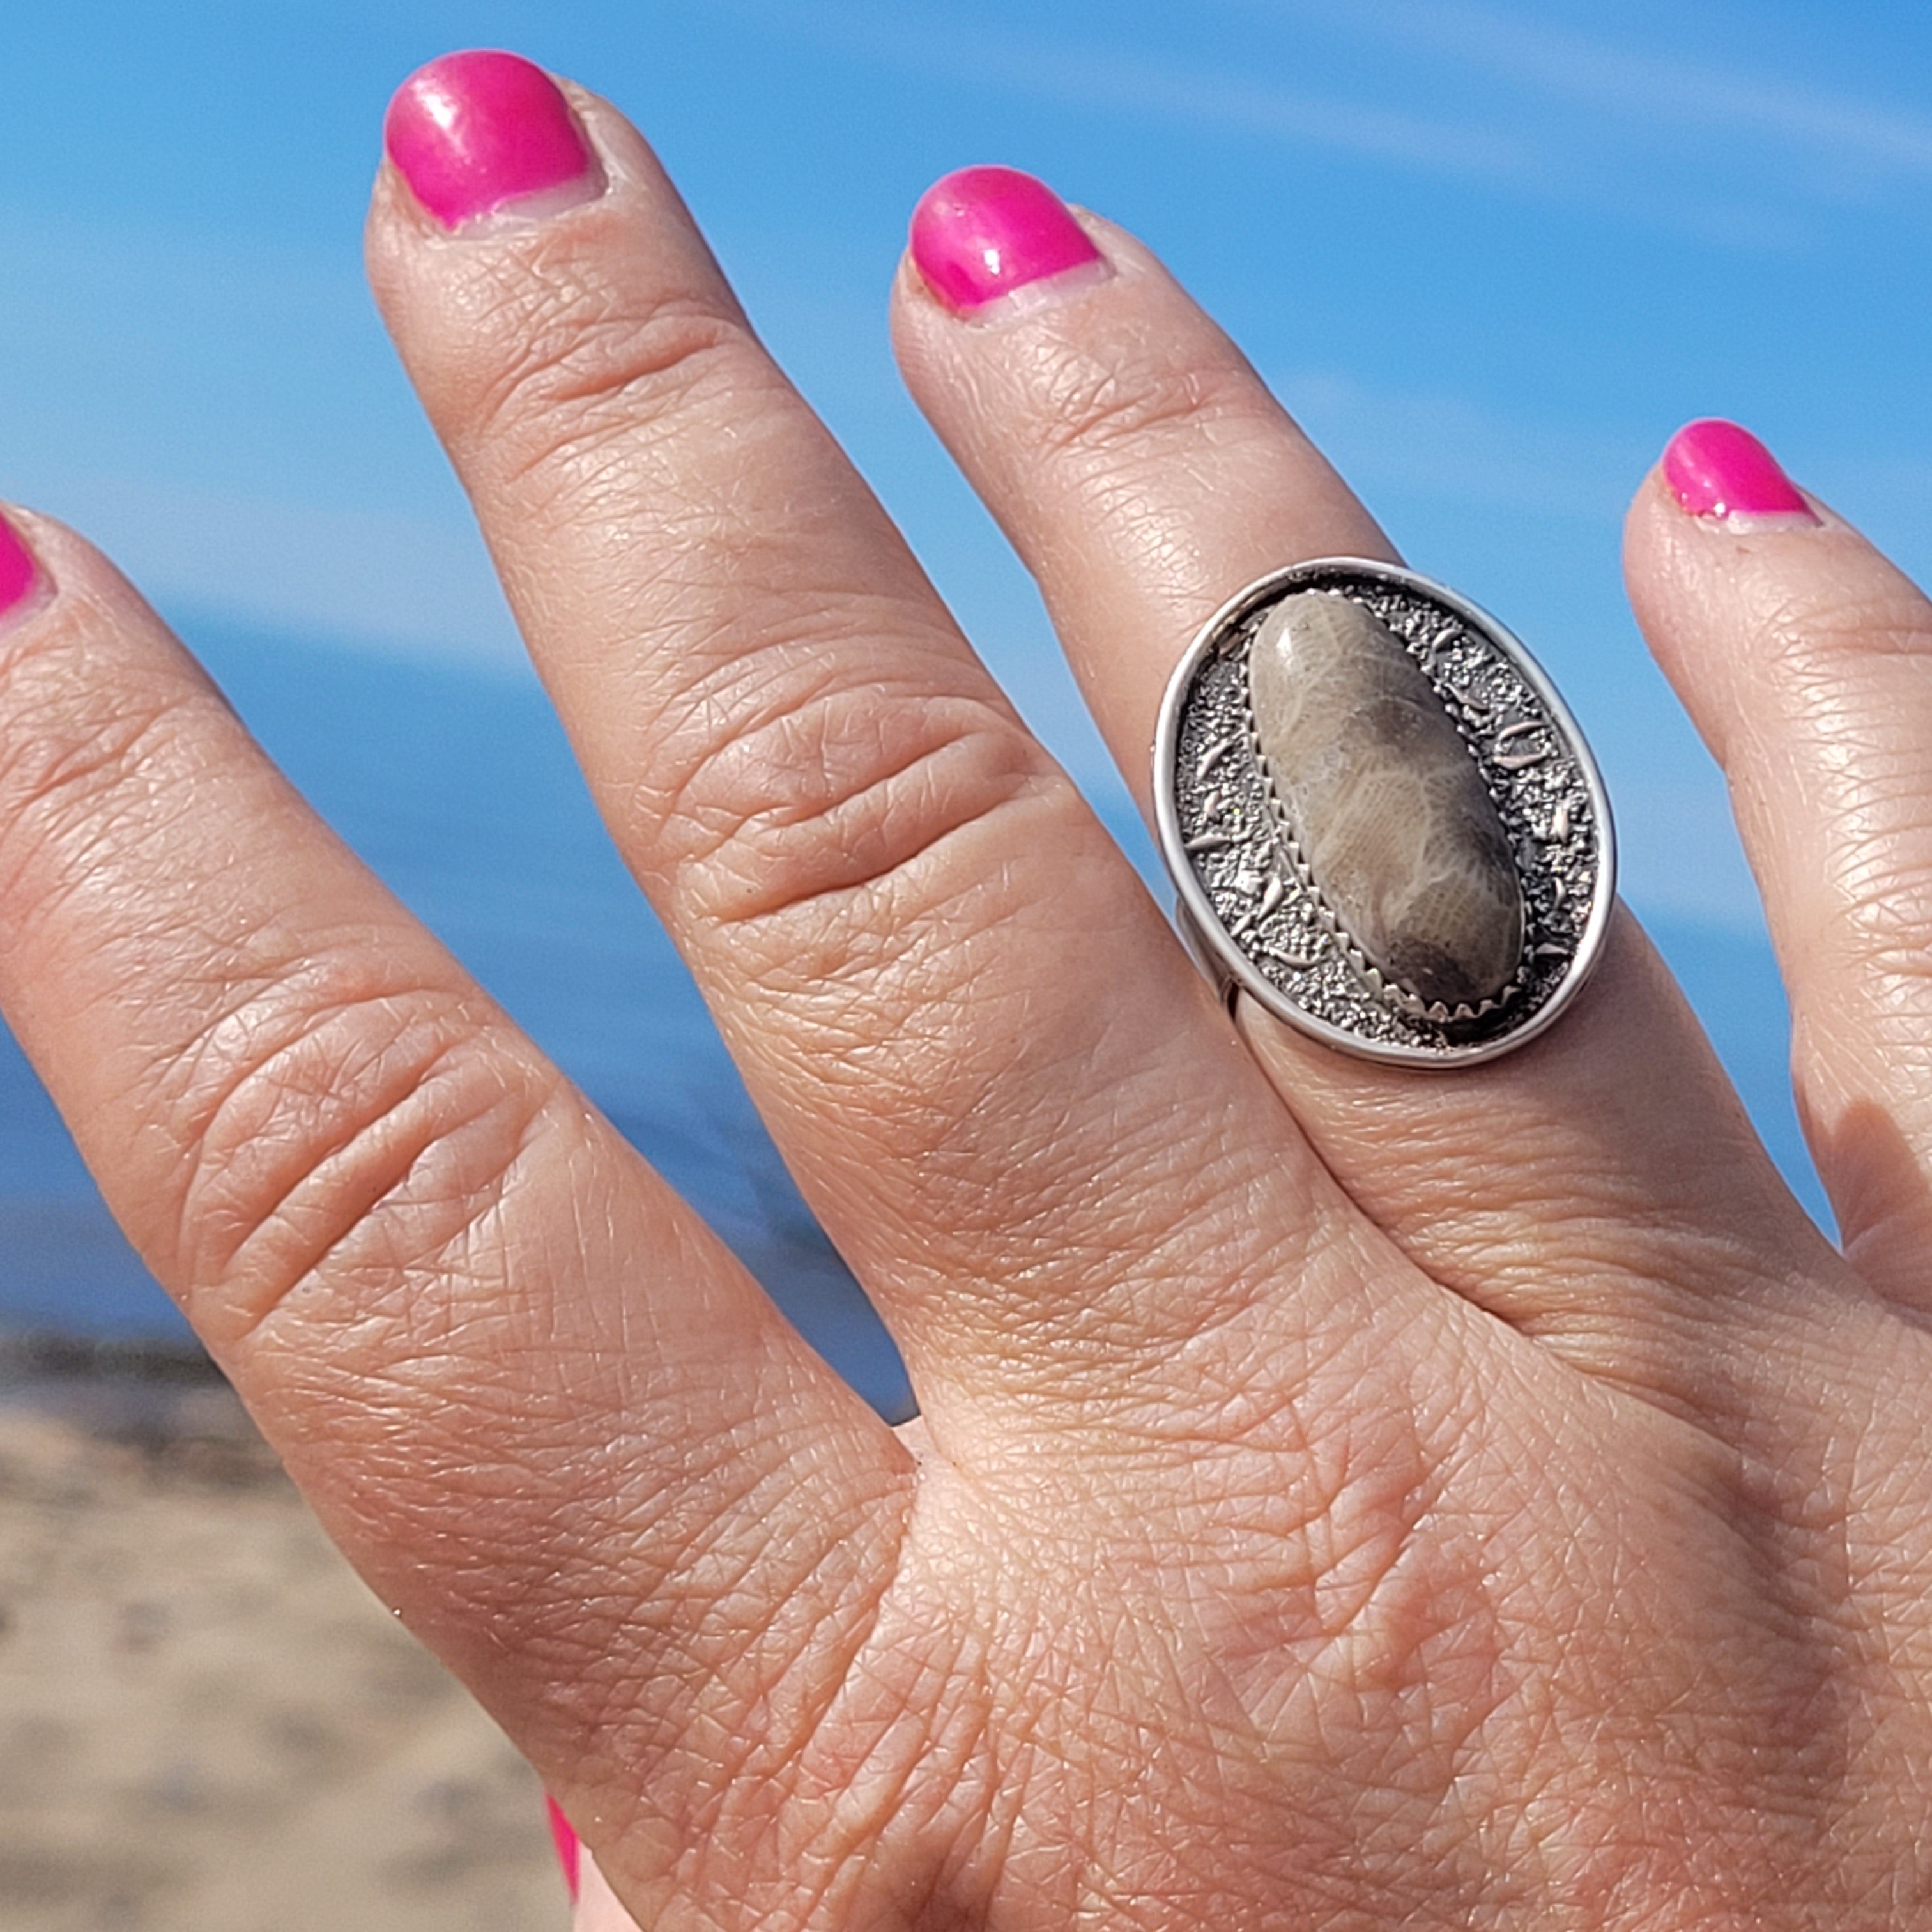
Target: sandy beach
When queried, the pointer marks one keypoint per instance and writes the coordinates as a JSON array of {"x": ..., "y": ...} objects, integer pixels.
[{"x": 206, "y": 1721}]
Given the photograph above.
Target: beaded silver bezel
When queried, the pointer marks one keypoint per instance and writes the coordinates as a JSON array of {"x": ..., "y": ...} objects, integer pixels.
[{"x": 1254, "y": 912}]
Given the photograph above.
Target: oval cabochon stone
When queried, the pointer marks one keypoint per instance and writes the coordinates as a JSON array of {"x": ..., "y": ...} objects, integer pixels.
[{"x": 1384, "y": 800}]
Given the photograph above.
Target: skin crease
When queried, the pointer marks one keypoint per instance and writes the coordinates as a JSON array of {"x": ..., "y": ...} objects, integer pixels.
[{"x": 1341, "y": 1499}]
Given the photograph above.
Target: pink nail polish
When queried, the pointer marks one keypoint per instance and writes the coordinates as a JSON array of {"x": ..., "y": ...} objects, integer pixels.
[
  {"x": 984, "y": 232},
  {"x": 564, "y": 1839},
  {"x": 1716, "y": 468},
  {"x": 473, "y": 133},
  {"x": 20, "y": 574}
]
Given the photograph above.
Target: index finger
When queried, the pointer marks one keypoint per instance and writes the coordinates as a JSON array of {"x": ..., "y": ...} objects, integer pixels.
[{"x": 524, "y": 1387}]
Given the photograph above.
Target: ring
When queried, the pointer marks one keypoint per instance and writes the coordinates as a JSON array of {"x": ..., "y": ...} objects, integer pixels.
[{"x": 1381, "y": 821}]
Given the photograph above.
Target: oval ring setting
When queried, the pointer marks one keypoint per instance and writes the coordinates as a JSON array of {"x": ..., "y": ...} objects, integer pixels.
[{"x": 1382, "y": 822}]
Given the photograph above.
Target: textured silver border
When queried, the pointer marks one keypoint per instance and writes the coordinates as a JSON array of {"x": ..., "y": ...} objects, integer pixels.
[{"x": 1254, "y": 912}]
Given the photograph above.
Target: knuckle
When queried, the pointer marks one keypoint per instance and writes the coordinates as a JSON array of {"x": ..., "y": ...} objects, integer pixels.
[
  {"x": 827, "y": 792},
  {"x": 1819, "y": 629},
  {"x": 332, "y": 1125},
  {"x": 1844, "y": 666},
  {"x": 1095, "y": 411},
  {"x": 1880, "y": 900},
  {"x": 586, "y": 365}
]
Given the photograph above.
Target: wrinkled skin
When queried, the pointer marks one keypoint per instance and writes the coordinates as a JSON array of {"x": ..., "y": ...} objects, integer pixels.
[{"x": 1341, "y": 1499}]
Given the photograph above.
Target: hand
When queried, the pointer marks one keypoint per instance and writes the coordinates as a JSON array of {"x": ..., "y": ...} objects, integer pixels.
[{"x": 1342, "y": 1499}]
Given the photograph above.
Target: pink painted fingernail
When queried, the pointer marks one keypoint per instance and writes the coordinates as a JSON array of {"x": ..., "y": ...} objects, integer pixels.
[
  {"x": 20, "y": 574},
  {"x": 1716, "y": 468},
  {"x": 475, "y": 133},
  {"x": 564, "y": 1839},
  {"x": 986, "y": 233}
]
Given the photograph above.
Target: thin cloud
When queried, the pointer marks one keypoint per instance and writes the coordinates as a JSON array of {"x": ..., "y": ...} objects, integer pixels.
[
  {"x": 1574, "y": 66},
  {"x": 1090, "y": 75},
  {"x": 1550, "y": 160},
  {"x": 1444, "y": 446},
  {"x": 1830, "y": 136},
  {"x": 418, "y": 588},
  {"x": 1093, "y": 77}
]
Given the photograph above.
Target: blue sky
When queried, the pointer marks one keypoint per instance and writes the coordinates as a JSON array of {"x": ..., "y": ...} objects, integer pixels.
[{"x": 1492, "y": 254}]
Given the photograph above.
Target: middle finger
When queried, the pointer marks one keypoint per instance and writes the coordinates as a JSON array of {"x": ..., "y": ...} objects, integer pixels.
[{"x": 972, "y": 1035}]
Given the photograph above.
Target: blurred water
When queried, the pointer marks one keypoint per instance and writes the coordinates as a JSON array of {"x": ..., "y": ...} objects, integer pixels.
[{"x": 458, "y": 788}]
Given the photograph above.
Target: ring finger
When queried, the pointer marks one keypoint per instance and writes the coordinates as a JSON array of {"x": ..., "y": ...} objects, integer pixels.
[{"x": 1144, "y": 474}]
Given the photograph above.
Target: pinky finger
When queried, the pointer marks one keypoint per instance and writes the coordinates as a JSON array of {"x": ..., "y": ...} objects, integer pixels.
[{"x": 1804, "y": 658}]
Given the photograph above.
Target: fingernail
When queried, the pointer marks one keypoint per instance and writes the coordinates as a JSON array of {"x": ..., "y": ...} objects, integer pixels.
[
  {"x": 474, "y": 132},
  {"x": 564, "y": 1840},
  {"x": 1718, "y": 468},
  {"x": 20, "y": 574},
  {"x": 984, "y": 233}
]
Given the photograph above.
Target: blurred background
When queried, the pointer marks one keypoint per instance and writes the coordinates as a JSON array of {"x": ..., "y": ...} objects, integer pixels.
[{"x": 1492, "y": 254}]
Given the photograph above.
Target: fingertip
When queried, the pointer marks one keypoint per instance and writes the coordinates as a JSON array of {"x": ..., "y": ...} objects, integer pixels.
[
  {"x": 25, "y": 582},
  {"x": 1716, "y": 527},
  {"x": 475, "y": 133},
  {"x": 569, "y": 1850},
  {"x": 1682, "y": 574},
  {"x": 984, "y": 240},
  {"x": 1652, "y": 521},
  {"x": 1719, "y": 473}
]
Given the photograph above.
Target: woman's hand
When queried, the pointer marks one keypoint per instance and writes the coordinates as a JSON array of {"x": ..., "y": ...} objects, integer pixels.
[{"x": 1342, "y": 1499}]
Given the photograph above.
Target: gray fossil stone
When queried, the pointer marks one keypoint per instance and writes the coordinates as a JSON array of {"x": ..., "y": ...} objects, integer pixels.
[{"x": 1393, "y": 821}]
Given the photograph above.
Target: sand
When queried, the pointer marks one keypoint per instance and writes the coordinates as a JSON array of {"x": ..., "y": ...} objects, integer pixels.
[{"x": 206, "y": 1721}]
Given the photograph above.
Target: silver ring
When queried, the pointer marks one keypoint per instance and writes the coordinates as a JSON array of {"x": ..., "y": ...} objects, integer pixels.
[{"x": 1382, "y": 822}]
